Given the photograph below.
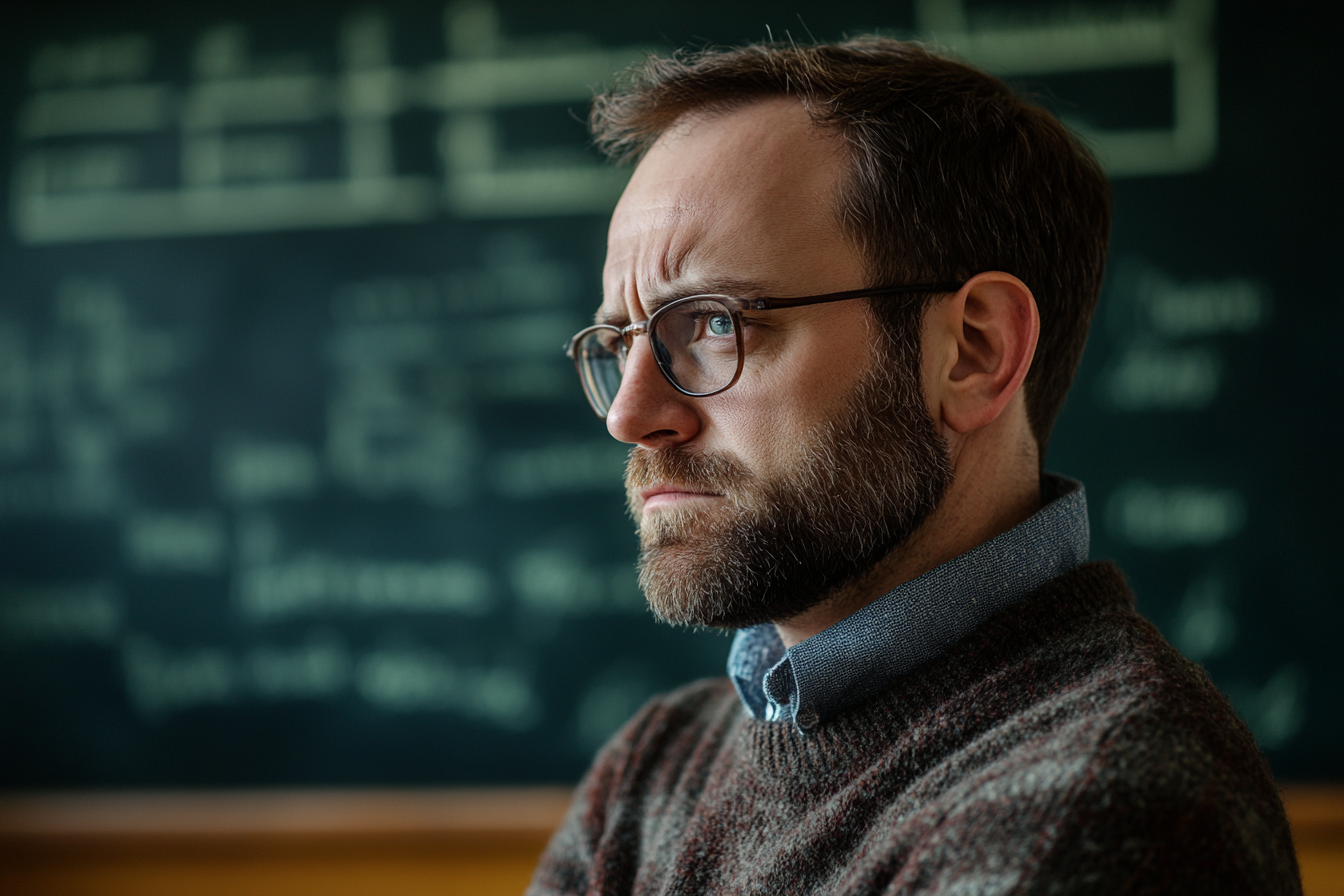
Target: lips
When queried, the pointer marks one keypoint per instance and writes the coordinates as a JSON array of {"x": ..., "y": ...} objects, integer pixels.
[{"x": 666, "y": 493}]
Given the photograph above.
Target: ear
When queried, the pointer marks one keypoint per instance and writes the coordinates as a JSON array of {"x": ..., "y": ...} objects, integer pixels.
[{"x": 978, "y": 347}]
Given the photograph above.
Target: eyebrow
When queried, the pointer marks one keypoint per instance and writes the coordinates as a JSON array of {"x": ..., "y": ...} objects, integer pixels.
[{"x": 658, "y": 296}]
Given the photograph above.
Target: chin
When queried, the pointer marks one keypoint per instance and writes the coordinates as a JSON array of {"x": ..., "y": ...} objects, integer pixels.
[
  {"x": 676, "y": 524},
  {"x": 686, "y": 580},
  {"x": 703, "y": 584}
]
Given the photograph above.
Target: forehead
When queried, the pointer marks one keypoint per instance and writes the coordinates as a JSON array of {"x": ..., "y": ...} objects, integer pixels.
[{"x": 743, "y": 197}]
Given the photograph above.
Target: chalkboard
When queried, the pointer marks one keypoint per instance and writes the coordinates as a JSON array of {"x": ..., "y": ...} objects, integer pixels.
[{"x": 297, "y": 488}]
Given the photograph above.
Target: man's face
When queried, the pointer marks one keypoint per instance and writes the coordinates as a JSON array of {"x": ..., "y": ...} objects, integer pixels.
[{"x": 756, "y": 503}]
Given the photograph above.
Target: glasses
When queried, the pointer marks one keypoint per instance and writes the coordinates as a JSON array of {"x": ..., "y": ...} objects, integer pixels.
[{"x": 697, "y": 341}]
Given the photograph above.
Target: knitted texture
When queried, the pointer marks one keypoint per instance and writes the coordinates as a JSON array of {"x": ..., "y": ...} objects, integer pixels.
[{"x": 1061, "y": 747}]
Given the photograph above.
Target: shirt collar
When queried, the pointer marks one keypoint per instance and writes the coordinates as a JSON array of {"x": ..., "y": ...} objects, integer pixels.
[{"x": 866, "y": 652}]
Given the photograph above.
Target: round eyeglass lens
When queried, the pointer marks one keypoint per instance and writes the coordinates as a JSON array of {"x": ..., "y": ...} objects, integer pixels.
[
  {"x": 696, "y": 343},
  {"x": 600, "y": 368}
]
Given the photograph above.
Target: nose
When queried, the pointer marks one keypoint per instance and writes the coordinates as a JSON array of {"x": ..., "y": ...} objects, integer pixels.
[{"x": 648, "y": 411}]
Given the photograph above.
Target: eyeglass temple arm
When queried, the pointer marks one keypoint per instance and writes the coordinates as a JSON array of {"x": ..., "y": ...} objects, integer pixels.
[{"x": 766, "y": 303}]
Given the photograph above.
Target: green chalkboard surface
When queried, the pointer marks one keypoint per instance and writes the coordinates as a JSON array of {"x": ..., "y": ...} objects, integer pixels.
[{"x": 297, "y": 488}]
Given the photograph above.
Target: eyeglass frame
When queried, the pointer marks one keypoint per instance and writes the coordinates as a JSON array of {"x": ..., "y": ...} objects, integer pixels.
[{"x": 735, "y": 308}]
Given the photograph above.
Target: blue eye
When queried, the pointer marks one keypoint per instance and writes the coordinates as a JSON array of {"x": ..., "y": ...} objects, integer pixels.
[{"x": 721, "y": 325}]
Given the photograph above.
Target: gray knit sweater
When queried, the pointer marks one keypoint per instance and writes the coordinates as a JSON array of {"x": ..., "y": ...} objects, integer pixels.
[{"x": 1062, "y": 747}]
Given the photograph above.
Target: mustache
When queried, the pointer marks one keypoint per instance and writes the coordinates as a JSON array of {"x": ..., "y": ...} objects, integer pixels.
[{"x": 692, "y": 470}]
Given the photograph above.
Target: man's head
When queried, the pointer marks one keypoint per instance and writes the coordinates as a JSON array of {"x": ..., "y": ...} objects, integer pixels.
[{"x": 795, "y": 171}]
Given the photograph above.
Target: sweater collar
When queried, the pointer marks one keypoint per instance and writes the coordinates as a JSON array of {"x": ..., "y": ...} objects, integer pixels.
[{"x": 866, "y": 652}]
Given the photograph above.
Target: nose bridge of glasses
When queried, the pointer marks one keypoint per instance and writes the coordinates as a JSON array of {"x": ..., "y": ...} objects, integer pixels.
[{"x": 628, "y": 334}]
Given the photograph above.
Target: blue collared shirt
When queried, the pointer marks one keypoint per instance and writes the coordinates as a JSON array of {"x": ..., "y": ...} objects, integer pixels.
[{"x": 865, "y": 653}]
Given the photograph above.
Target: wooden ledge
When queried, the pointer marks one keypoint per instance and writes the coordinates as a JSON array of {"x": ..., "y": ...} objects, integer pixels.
[
  {"x": 282, "y": 813},
  {"x": 1316, "y": 810},
  {"x": 477, "y": 842},
  {"x": 482, "y": 842}
]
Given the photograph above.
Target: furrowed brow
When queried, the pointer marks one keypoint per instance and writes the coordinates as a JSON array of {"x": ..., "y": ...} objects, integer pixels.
[
  {"x": 656, "y": 297},
  {"x": 736, "y": 287},
  {"x": 718, "y": 286},
  {"x": 612, "y": 318}
]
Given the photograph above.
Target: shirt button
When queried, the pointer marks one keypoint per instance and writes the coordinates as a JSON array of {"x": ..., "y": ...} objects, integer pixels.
[{"x": 807, "y": 719}]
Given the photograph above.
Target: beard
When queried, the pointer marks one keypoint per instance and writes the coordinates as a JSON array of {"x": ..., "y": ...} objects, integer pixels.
[{"x": 775, "y": 547}]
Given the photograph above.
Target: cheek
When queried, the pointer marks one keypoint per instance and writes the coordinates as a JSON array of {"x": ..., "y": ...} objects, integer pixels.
[
  {"x": 799, "y": 383},
  {"x": 747, "y": 429},
  {"x": 766, "y": 420}
]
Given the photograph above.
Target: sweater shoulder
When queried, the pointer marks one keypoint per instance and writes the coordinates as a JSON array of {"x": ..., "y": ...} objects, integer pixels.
[
  {"x": 694, "y": 697},
  {"x": 663, "y": 746},
  {"x": 691, "y": 707},
  {"x": 1147, "y": 753},
  {"x": 667, "y": 729},
  {"x": 1096, "y": 660},
  {"x": 1106, "y": 649}
]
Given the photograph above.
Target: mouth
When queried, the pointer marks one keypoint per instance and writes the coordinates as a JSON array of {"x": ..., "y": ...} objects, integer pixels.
[{"x": 666, "y": 495}]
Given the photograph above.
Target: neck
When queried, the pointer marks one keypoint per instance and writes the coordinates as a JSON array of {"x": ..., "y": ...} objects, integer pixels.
[{"x": 996, "y": 485}]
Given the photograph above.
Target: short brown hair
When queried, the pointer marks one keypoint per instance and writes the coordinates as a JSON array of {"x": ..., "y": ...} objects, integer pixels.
[{"x": 950, "y": 173}]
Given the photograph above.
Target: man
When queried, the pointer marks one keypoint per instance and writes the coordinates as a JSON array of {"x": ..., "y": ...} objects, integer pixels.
[{"x": 846, "y": 291}]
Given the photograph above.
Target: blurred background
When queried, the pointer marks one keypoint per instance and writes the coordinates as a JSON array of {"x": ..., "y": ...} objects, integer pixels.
[{"x": 298, "y": 490}]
